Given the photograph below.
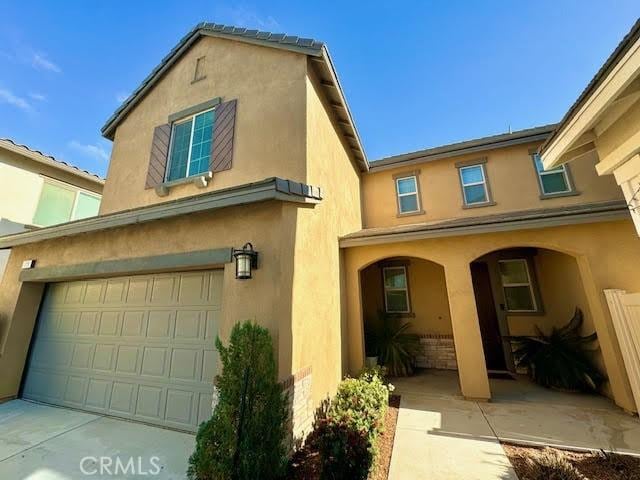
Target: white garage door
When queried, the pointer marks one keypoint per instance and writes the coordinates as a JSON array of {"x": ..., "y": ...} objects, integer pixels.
[{"x": 139, "y": 347}]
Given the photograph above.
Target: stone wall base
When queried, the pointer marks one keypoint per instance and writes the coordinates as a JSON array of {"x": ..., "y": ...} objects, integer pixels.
[
  {"x": 438, "y": 351},
  {"x": 301, "y": 411}
]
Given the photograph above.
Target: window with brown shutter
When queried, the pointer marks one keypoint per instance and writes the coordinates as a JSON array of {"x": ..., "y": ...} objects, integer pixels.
[
  {"x": 159, "y": 155},
  {"x": 223, "y": 133}
]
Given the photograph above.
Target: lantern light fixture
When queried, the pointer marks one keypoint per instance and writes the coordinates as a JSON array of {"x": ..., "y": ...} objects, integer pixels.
[{"x": 246, "y": 261}]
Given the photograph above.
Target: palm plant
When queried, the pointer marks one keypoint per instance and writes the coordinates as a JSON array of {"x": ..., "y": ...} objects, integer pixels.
[
  {"x": 561, "y": 359},
  {"x": 396, "y": 348}
]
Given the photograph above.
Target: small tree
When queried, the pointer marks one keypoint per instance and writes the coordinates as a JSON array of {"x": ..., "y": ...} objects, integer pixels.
[{"x": 245, "y": 437}]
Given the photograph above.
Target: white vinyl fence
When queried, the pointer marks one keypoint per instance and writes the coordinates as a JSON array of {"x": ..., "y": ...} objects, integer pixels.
[{"x": 625, "y": 312}]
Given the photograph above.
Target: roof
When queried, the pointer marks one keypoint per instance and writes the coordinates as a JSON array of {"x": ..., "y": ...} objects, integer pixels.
[
  {"x": 268, "y": 189},
  {"x": 622, "y": 48},
  {"x": 38, "y": 156},
  {"x": 313, "y": 48},
  {"x": 517, "y": 220},
  {"x": 465, "y": 147}
]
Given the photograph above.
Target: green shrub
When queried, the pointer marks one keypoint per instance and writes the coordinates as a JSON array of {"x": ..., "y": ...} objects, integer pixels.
[
  {"x": 551, "y": 465},
  {"x": 347, "y": 435},
  {"x": 561, "y": 359},
  {"x": 244, "y": 439}
]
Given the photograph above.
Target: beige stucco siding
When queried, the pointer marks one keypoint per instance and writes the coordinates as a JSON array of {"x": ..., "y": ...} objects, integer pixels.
[
  {"x": 269, "y": 291},
  {"x": 512, "y": 180},
  {"x": 269, "y": 85},
  {"x": 316, "y": 309}
]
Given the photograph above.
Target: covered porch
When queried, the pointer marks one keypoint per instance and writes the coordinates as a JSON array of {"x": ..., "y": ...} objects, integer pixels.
[{"x": 466, "y": 295}]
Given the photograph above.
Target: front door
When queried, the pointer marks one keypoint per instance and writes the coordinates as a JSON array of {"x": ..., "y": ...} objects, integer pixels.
[{"x": 489, "y": 327}]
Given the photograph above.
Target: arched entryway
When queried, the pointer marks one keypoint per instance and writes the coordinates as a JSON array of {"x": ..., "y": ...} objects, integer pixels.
[
  {"x": 413, "y": 291},
  {"x": 520, "y": 291}
]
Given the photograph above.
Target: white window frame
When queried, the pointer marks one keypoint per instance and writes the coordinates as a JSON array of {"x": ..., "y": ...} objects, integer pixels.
[
  {"x": 66, "y": 186},
  {"x": 192, "y": 119},
  {"x": 483, "y": 183},
  {"x": 520, "y": 284},
  {"x": 556, "y": 170},
  {"x": 393, "y": 289},
  {"x": 400, "y": 195}
]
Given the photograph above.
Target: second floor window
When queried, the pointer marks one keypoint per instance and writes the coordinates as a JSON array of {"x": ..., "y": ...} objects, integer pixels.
[
  {"x": 396, "y": 290},
  {"x": 60, "y": 203},
  {"x": 407, "y": 190},
  {"x": 474, "y": 185},
  {"x": 190, "y": 150},
  {"x": 554, "y": 181}
]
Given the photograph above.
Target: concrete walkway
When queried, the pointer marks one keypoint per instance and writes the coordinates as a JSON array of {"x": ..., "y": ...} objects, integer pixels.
[
  {"x": 441, "y": 436},
  {"x": 38, "y": 442}
]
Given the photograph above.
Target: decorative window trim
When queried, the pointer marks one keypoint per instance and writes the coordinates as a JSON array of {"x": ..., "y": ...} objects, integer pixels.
[
  {"x": 479, "y": 162},
  {"x": 198, "y": 73},
  {"x": 404, "y": 268},
  {"x": 400, "y": 176},
  {"x": 568, "y": 177},
  {"x": 532, "y": 284}
]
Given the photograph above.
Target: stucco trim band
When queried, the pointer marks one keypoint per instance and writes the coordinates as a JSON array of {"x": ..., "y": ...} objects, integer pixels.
[
  {"x": 476, "y": 225},
  {"x": 202, "y": 259},
  {"x": 269, "y": 189}
]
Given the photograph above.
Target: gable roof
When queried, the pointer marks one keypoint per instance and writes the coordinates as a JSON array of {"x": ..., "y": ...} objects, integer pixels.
[
  {"x": 316, "y": 50},
  {"x": 475, "y": 145},
  {"x": 38, "y": 156},
  {"x": 623, "y": 47}
]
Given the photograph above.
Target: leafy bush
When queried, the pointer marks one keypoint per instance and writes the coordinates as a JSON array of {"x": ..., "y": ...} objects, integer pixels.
[
  {"x": 347, "y": 435},
  {"x": 396, "y": 349},
  {"x": 550, "y": 465},
  {"x": 244, "y": 439},
  {"x": 560, "y": 359}
]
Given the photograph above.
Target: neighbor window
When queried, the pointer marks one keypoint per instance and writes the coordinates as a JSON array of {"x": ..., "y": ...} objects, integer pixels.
[
  {"x": 407, "y": 189},
  {"x": 474, "y": 185},
  {"x": 554, "y": 181},
  {"x": 61, "y": 203},
  {"x": 396, "y": 290},
  {"x": 190, "y": 148},
  {"x": 517, "y": 285}
]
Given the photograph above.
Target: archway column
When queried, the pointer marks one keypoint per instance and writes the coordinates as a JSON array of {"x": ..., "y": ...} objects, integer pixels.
[{"x": 472, "y": 371}]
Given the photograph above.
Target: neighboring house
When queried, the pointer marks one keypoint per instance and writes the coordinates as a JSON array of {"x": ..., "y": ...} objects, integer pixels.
[
  {"x": 243, "y": 136},
  {"x": 37, "y": 190}
]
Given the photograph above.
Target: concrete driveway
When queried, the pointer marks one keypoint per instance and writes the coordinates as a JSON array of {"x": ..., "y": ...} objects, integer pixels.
[{"x": 39, "y": 442}]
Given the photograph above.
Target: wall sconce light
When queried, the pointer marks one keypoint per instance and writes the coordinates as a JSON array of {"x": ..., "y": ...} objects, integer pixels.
[{"x": 246, "y": 260}]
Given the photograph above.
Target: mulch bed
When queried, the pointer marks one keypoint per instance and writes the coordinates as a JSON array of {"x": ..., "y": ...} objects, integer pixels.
[
  {"x": 305, "y": 464},
  {"x": 594, "y": 466}
]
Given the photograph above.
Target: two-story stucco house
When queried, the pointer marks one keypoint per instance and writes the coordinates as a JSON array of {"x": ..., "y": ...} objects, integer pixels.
[
  {"x": 37, "y": 190},
  {"x": 244, "y": 136}
]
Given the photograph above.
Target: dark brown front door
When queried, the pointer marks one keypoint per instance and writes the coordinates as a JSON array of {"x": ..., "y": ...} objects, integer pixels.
[{"x": 489, "y": 327}]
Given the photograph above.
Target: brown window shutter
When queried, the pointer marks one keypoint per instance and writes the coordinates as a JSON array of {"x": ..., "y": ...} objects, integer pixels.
[
  {"x": 159, "y": 155},
  {"x": 223, "y": 131}
]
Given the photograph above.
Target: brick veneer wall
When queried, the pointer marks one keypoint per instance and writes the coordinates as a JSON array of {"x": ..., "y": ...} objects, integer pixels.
[
  {"x": 301, "y": 410},
  {"x": 438, "y": 351}
]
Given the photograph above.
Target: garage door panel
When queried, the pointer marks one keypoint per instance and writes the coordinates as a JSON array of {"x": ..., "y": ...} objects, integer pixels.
[{"x": 137, "y": 347}]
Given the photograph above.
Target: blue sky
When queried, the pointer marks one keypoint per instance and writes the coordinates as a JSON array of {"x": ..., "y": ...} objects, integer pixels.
[{"x": 416, "y": 74}]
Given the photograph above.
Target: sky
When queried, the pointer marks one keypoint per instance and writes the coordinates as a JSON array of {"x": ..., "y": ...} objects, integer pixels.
[{"x": 416, "y": 74}]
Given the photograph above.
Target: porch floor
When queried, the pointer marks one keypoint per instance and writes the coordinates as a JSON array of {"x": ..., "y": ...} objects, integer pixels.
[{"x": 441, "y": 435}]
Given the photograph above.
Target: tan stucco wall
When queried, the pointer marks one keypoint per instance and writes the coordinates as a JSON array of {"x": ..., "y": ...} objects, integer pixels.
[
  {"x": 599, "y": 265},
  {"x": 428, "y": 297},
  {"x": 317, "y": 304},
  {"x": 265, "y": 299},
  {"x": 512, "y": 179},
  {"x": 269, "y": 85}
]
